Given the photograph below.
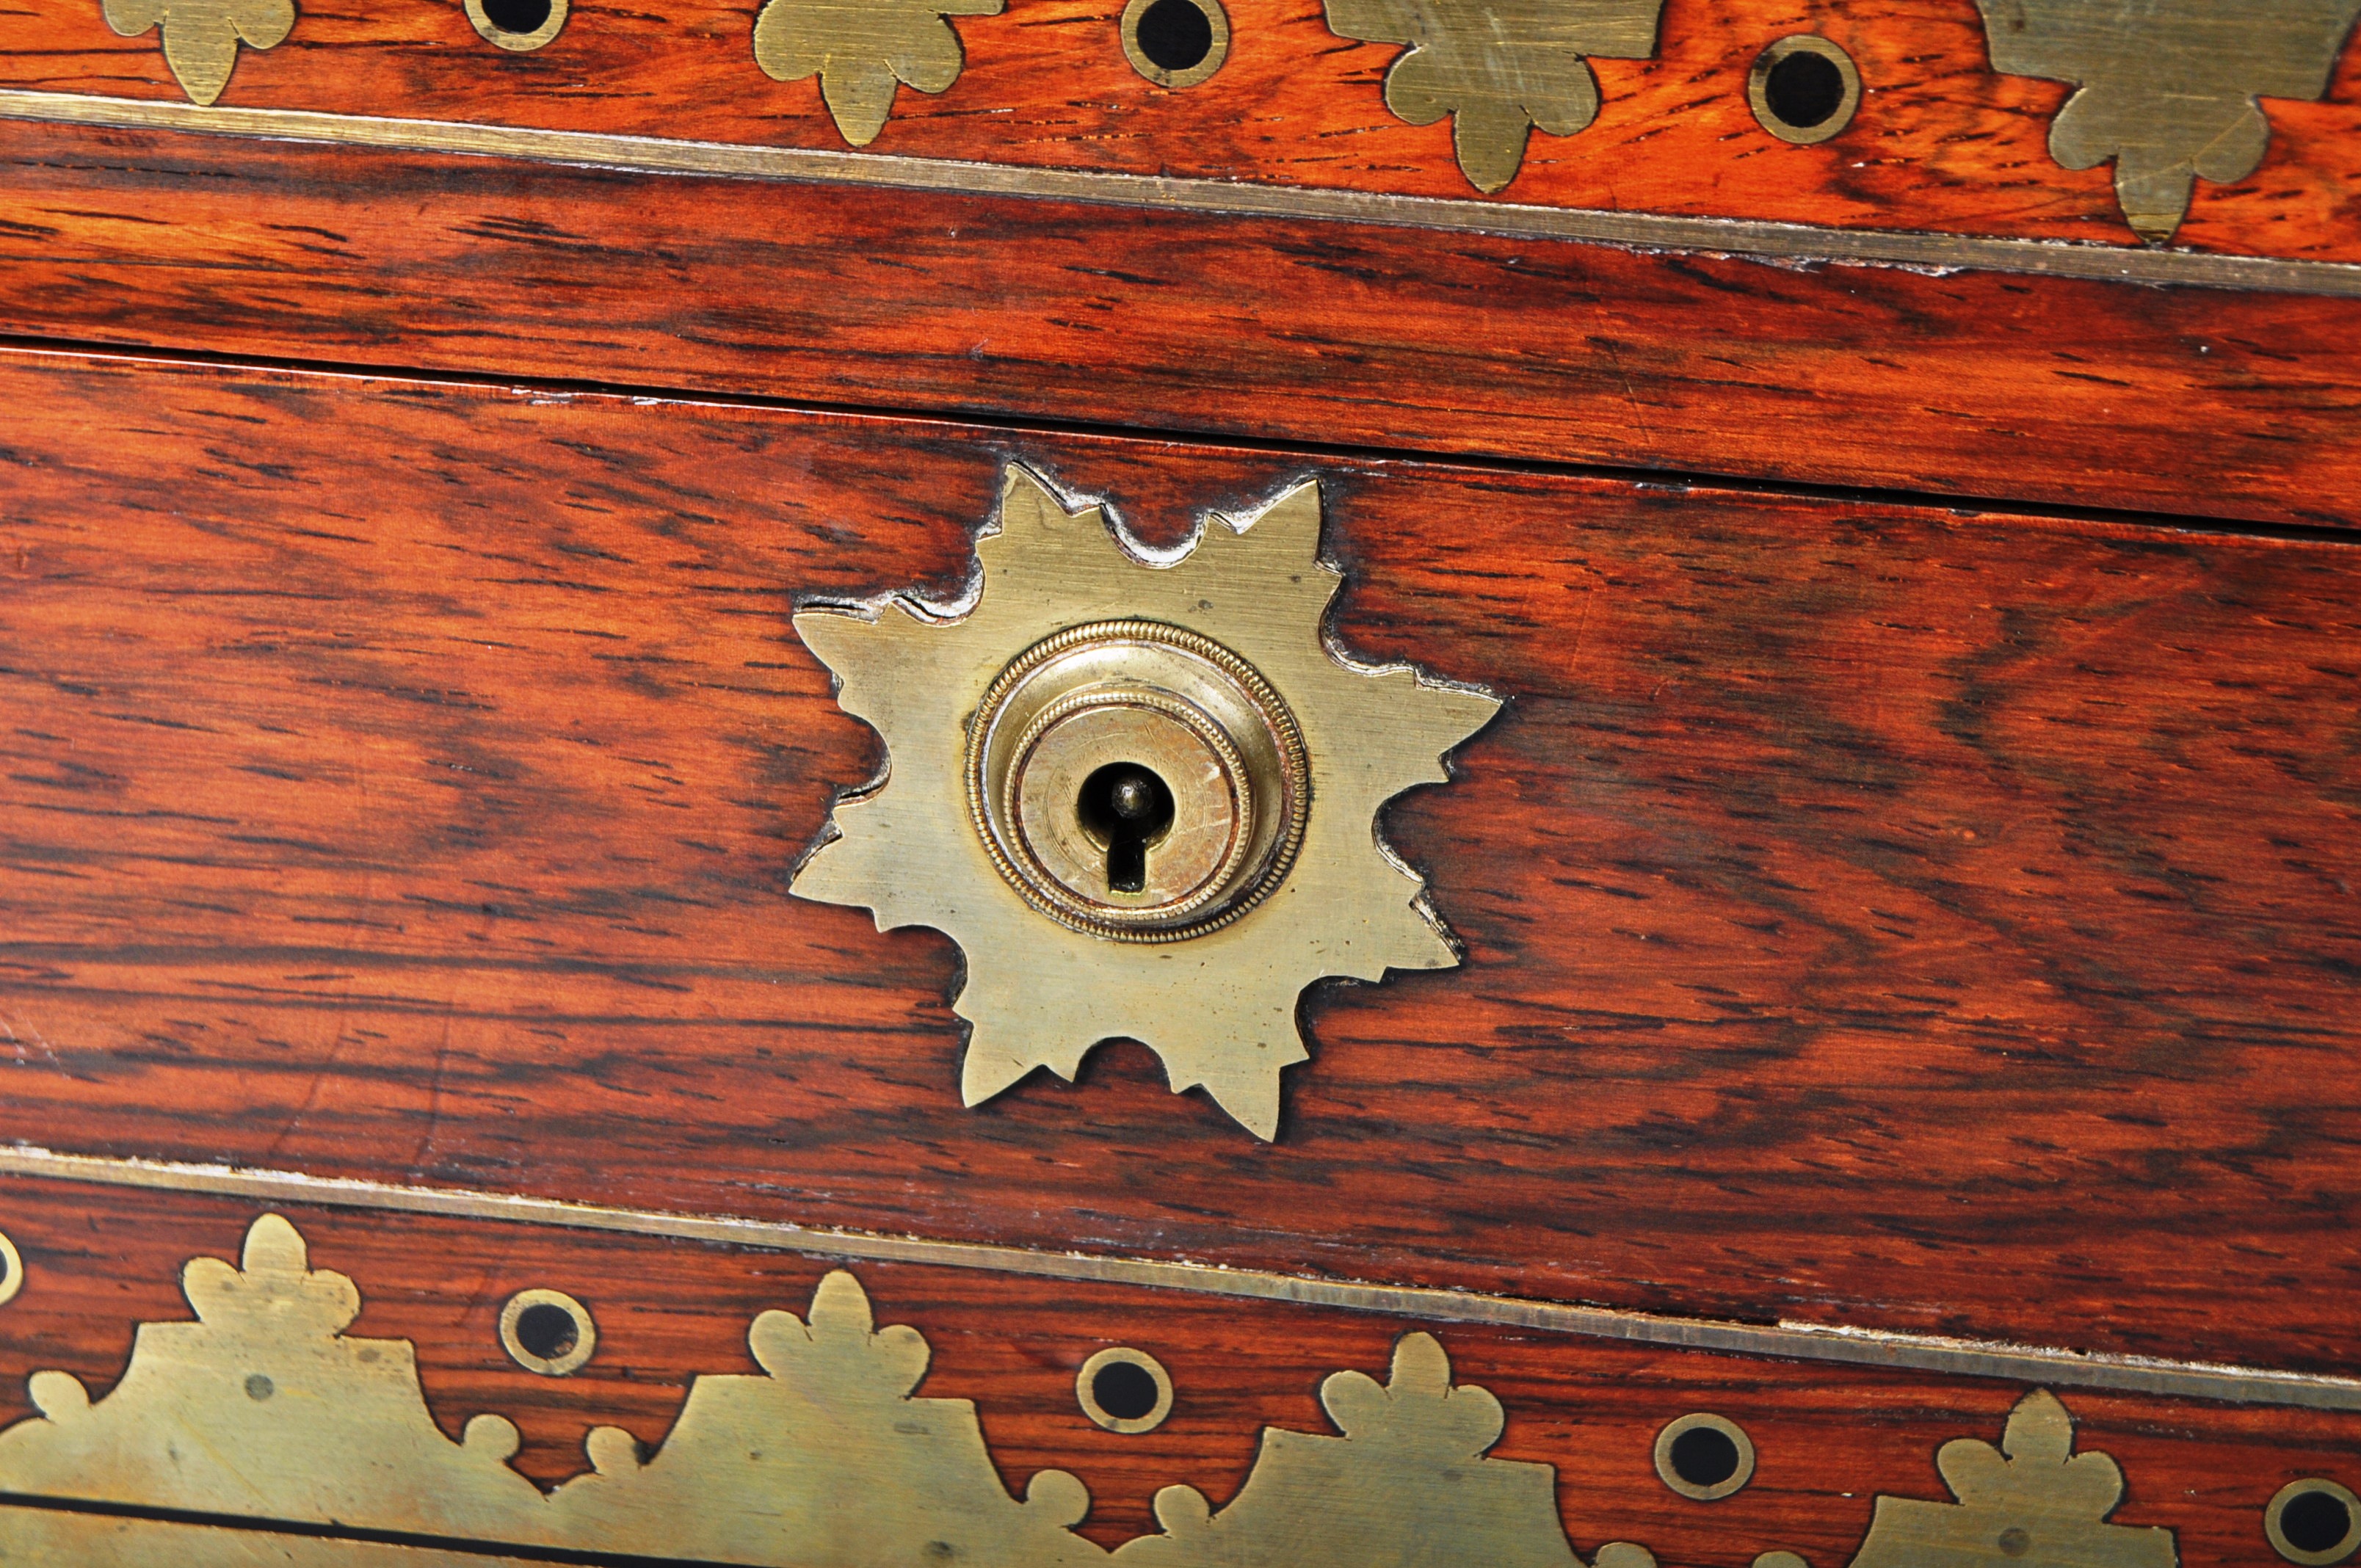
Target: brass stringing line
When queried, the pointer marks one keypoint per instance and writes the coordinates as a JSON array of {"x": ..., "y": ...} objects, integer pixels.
[
  {"x": 1787, "y": 1340},
  {"x": 1644, "y": 231}
]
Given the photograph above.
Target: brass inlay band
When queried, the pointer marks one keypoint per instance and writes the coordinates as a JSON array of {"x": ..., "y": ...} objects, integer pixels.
[
  {"x": 265, "y": 1414},
  {"x": 1648, "y": 230},
  {"x": 265, "y": 1410},
  {"x": 1788, "y": 1340}
]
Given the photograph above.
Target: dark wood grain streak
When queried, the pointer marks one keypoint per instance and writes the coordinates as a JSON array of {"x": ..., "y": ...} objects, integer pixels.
[
  {"x": 1874, "y": 915},
  {"x": 1828, "y": 1441},
  {"x": 2198, "y": 402},
  {"x": 1942, "y": 143}
]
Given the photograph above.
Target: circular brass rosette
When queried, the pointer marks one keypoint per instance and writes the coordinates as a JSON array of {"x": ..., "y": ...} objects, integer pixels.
[
  {"x": 1174, "y": 706},
  {"x": 1141, "y": 797}
]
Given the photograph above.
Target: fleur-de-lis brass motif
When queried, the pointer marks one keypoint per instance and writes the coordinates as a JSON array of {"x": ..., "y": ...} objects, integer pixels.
[
  {"x": 861, "y": 49},
  {"x": 746, "y": 1476},
  {"x": 200, "y": 37},
  {"x": 1407, "y": 1477},
  {"x": 2033, "y": 1502},
  {"x": 1500, "y": 68},
  {"x": 265, "y": 1410},
  {"x": 2168, "y": 88}
]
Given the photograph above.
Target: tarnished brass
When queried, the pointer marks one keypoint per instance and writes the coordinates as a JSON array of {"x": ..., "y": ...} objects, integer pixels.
[
  {"x": 539, "y": 35},
  {"x": 45, "y": 1540},
  {"x": 1500, "y": 68},
  {"x": 1275, "y": 750},
  {"x": 1086, "y": 1390},
  {"x": 200, "y": 37},
  {"x": 827, "y": 1459},
  {"x": 1407, "y": 1484},
  {"x": 2313, "y": 1536},
  {"x": 548, "y": 1331},
  {"x": 2033, "y": 1502},
  {"x": 264, "y": 1409},
  {"x": 1704, "y": 1489},
  {"x": 2168, "y": 88},
  {"x": 861, "y": 48},
  {"x": 1197, "y": 722}
]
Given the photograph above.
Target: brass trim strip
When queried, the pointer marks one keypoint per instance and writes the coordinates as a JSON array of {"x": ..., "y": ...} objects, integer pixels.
[
  {"x": 1787, "y": 1340},
  {"x": 1644, "y": 231}
]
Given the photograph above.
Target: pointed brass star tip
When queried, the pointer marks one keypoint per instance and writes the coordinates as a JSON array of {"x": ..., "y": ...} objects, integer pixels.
[{"x": 1139, "y": 790}]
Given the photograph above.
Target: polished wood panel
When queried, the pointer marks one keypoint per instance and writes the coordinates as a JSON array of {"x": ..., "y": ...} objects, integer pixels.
[
  {"x": 1874, "y": 915},
  {"x": 2194, "y": 400},
  {"x": 1942, "y": 142},
  {"x": 1828, "y": 1438}
]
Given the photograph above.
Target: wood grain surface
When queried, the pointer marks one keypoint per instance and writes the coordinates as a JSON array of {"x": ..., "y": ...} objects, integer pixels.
[
  {"x": 1978, "y": 385},
  {"x": 1829, "y": 1440},
  {"x": 1941, "y": 142},
  {"x": 1874, "y": 915}
]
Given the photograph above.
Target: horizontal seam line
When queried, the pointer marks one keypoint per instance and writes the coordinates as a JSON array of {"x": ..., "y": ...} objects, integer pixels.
[
  {"x": 1734, "y": 236},
  {"x": 1962, "y": 505},
  {"x": 1785, "y": 1341},
  {"x": 314, "y": 1529}
]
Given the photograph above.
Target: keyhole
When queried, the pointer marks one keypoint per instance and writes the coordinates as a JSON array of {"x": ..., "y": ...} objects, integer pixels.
[{"x": 1127, "y": 808}]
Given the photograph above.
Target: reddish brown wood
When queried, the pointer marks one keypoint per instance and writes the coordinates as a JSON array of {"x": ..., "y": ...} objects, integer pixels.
[
  {"x": 2199, "y": 402},
  {"x": 1828, "y": 1438},
  {"x": 1942, "y": 142},
  {"x": 1874, "y": 915}
]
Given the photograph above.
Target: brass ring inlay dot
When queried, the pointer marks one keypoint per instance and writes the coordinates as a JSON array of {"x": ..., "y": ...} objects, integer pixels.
[
  {"x": 2314, "y": 1521},
  {"x": 1125, "y": 1390},
  {"x": 1703, "y": 1456},
  {"x": 1188, "y": 718},
  {"x": 1175, "y": 43},
  {"x": 548, "y": 1332},
  {"x": 13, "y": 1262},
  {"x": 1804, "y": 89},
  {"x": 520, "y": 26}
]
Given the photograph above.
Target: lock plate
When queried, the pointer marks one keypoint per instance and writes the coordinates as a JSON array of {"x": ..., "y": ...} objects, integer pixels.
[
  {"x": 1136, "y": 704},
  {"x": 1140, "y": 795}
]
